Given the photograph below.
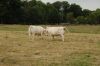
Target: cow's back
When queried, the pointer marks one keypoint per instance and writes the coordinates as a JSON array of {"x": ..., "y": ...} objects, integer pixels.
[
  {"x": 55, "y": 30},
  {"x": 36, "y": 29}
]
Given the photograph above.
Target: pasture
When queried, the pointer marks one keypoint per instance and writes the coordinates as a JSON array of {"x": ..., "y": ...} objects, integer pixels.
[{"x": 80, "y": 48}]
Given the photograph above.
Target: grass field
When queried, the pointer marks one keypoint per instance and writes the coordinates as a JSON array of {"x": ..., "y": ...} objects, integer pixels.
[{"x": 80, "y": 48}]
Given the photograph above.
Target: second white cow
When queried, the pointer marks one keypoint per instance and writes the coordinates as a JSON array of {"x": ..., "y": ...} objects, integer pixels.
[{"x": 55, "y": 31}]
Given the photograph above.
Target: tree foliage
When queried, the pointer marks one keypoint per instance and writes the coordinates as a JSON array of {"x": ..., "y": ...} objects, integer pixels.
[{"x": 37, "y": 12}]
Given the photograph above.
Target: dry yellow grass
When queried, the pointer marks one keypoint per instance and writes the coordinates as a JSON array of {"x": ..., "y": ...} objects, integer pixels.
[{"x": 78, "y": 49}]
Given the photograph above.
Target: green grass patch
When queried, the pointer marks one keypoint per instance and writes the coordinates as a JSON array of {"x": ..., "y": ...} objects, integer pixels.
[
  {"x": 80, "y": 60},
  {"x": 13, "y": 27},
  {"x": 91, "y": 29}
]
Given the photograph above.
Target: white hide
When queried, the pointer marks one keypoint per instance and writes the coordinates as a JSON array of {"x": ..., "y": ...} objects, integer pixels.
[
  {"x": 35, "y": 30},
  {"x": 55, "y": 31}
]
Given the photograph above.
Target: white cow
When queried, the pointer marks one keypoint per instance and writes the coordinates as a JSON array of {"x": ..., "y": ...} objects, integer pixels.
[
  {"x": 35, "y": 30},
  {"x": 55, "y": 31}
]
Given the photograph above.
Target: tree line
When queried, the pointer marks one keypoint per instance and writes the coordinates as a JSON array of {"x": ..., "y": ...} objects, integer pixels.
[{"x": 37, "y": 12}]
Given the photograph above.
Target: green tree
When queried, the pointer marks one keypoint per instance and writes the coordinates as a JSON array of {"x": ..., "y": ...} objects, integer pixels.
[
  {"x": 94, "y": 17},
  {"x": 76, "y": 9},
  {"x": 10, "y": 11},
  {"x": 65, "y": 6},
  {"x": 53, "y": 14},
  {"x": 70, "y": 18},
  {"x": 82, "y": 20},
  {"x": 86, "y": 12}
]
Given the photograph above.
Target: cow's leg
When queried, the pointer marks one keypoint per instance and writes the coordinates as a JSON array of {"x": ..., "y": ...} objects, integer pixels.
[
  {"x": 30, "y": 35},
  {"x": 62, "y": 37},
  {"x": 33, "y": 35},
  {"x": 41, "y": 35},
  {"x": 52, "y": 36}
]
